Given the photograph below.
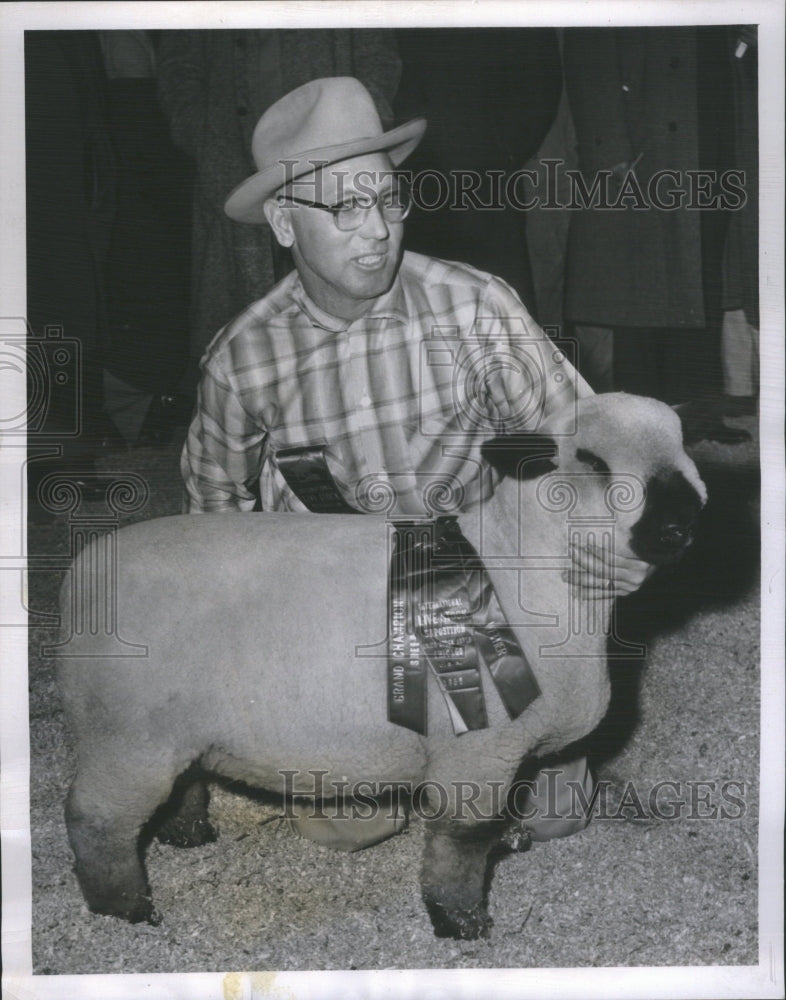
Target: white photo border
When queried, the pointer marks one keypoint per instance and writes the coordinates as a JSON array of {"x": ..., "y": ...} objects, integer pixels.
[{"x": 764, "y": 980}]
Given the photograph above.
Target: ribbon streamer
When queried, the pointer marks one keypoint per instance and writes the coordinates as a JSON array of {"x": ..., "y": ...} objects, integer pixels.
[
  {"x": 307, "y": 474},
  {"x": 443, "y": 612}
]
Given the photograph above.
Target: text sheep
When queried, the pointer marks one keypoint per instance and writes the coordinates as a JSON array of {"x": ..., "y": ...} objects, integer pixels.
[{"x": 254, "y": 627}]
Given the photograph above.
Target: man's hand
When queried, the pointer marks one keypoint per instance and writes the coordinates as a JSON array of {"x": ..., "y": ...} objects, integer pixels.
[{"x": 595, "y": 576}]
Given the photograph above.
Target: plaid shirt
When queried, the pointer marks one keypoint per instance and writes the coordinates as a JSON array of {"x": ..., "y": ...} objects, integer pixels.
[{"x": 402, "y": 397}]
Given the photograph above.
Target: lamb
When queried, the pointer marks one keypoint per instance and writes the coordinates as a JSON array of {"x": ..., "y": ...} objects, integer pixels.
[{"x": 261, "y": 637}]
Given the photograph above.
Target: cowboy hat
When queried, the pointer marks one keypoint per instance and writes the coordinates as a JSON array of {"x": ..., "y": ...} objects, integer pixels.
[{"x": 322, "y": 122}]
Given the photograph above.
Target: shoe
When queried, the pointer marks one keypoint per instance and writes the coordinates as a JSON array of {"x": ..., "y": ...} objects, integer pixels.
[
  {"x": 701, "y": 421},
  {"x": 726, "y": 435},
  {"x": 342, "y": 833}
]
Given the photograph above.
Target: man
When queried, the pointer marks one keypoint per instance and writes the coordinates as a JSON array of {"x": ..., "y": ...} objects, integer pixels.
[{"x": 386, "y": 370}]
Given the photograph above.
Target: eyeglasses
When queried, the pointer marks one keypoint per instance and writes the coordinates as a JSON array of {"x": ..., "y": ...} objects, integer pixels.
[{"x": 394, "y": 206}]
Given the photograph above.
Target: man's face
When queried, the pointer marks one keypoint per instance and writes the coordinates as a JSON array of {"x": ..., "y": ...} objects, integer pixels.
[{"x": 344, "y": 271}]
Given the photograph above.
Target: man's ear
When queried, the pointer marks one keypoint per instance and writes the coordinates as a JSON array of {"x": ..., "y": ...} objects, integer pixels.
[
  {"x": 280, "y": 221},
  {"x": 521, "y": 456}
]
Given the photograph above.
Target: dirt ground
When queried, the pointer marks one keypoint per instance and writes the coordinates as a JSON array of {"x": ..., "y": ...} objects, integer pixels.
[{"x": 634, "y": 889}]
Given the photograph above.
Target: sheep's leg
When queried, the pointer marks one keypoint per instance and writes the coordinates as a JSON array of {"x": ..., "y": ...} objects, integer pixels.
[
  {"x": 188, "y": 824},
  {"x": 453, "y": 876},
  {"x": 106, "y": 810}
]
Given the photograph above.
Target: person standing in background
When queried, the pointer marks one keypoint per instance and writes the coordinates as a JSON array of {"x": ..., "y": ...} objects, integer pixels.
[
  {"x": 214, "y": 86},
  {"x": 646, "y": 100}
]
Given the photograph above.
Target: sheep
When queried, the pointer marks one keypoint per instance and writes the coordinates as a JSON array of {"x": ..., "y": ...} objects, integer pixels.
[{"x": 255, "y": 654}]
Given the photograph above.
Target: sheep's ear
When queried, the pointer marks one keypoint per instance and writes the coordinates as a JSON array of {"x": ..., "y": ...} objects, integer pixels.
[{"x": 521, "y": 456}]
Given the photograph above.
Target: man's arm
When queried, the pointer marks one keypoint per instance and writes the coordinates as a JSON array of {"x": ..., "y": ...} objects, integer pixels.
[{"x": 224, "y": 451}]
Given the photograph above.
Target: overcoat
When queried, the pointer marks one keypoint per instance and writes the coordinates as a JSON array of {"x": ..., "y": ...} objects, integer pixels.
[{"x": 635, "y": 96}]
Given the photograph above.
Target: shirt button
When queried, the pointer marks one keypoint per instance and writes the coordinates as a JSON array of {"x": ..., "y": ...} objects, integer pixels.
[{"x": 365, "y": 401}]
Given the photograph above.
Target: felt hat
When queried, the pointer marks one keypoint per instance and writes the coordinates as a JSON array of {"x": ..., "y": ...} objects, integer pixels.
[{"x": 322, "y": 122}]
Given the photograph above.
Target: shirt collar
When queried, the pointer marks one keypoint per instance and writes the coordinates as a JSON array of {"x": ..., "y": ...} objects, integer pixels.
[{"x": 391, "y": 305}]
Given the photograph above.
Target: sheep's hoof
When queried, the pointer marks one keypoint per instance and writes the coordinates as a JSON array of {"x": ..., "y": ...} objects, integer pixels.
[
  {"x": 141, "y": 911},
  {"x": 187, "y": 833},
  {"x": 461, "y": 924},
  {"x": 516, "y": 837}
]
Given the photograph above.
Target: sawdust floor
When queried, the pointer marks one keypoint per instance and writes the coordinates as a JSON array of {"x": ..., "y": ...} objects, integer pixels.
[{"x": 632, "y": 889}]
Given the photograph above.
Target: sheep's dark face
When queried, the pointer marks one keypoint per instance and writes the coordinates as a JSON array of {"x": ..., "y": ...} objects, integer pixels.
[
  {"x": 666, "y": 526},
  {"x": 618, "y": 457}
]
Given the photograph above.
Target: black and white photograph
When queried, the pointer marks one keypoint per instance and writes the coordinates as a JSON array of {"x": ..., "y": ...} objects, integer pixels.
[{"x": 392, "y": 467}]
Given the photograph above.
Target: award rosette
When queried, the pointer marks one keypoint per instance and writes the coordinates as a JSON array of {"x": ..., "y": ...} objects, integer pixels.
[{"x": 444, "y": 615}]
